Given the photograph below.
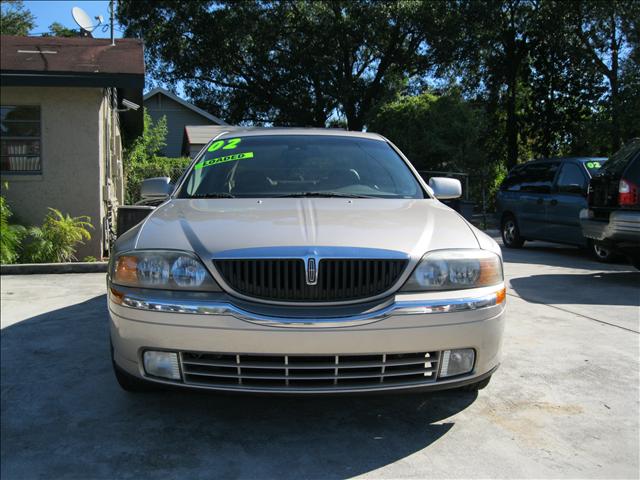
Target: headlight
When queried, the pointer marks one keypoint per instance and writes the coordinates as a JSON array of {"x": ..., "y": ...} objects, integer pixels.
[
  {"x": 454, "y": 270},
  {"x": 161, "y": 269}
]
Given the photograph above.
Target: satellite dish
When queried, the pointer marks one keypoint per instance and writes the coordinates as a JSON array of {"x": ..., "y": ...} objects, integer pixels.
[{"x": 83, "y": 19}]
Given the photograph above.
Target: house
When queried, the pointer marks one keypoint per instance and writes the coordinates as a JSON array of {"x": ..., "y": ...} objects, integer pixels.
[
  {"x": 63, "y": 124},
  {"x": 160, "y": 102},
  {"x": 197, "y": 136}
]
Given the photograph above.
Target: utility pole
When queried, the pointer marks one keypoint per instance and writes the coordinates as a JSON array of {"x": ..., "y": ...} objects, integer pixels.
[{"x": 113, "y": 41}]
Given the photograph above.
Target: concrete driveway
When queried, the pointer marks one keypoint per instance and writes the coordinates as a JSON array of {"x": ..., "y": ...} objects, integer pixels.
[{"x": 564, "y": 403}]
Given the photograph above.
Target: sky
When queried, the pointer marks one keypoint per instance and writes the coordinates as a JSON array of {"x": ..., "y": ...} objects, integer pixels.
[{"x": 47, "y": 12}]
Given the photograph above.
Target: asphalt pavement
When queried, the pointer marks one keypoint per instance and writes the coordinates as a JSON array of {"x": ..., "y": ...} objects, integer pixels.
[{"x": 564, "y": 404}]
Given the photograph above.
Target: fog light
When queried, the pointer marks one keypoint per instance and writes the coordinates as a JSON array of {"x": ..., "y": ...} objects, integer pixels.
[
  {"x": 162, "y": 364},
  {"x": 457, "y": 362}
]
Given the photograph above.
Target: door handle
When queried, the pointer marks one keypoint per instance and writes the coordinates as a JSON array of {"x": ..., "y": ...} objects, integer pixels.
[
  {"x": 539, "y": 202},
  {"x": 553, "y": 202}
]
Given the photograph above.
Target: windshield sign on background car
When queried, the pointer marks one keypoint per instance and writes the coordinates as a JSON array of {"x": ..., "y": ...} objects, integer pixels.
[
  {"x": 593, "y": 165},
  {"x": 300, "y": 166}
]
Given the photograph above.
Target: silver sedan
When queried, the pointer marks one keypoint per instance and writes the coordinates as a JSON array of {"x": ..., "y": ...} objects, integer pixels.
[{"x": 305, "y": 261}]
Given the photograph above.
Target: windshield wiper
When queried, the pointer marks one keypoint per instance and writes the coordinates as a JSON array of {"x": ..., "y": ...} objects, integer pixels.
[
  {"x": 323, "y": 195},
  {"x": 212, "y": 195}
]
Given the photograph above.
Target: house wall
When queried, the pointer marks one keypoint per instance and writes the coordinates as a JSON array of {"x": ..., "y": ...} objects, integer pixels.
[
  {"x": 73, "y": 158},
  {"x": 177, "y": 117},
  {"x": 194, "y": 149}
]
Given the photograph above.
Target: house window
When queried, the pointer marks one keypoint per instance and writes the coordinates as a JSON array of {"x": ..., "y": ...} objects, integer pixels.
[{"x": 20, "y": 139}]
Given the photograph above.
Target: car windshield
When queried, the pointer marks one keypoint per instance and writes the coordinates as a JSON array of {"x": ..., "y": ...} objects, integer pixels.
[{"x": 300, "y": 166}]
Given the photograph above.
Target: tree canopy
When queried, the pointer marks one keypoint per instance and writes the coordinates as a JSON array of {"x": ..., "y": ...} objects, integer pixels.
[
  {"x": 286, "y": 62},
  {"x": 545, "y": 77},
  {"x": 15, "y": 19}
]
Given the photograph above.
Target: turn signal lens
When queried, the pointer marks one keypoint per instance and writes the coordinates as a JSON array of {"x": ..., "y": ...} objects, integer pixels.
[
  {"x": 501, "y": 296},
  {"x": 126, "y": 270}
]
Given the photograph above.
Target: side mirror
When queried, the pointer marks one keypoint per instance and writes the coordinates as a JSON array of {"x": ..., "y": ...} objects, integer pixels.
[
  {"x": 157, "y": 188},
  {"x": 445, "y": 188}
]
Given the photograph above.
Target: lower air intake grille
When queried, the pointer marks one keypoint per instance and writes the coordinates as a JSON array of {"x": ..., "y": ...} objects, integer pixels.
[
  {"x": 285, "y": 279},
  {"x": 308, "y": 372}
]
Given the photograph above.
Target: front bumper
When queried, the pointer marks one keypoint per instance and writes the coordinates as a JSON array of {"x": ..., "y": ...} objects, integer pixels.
[{"x": 425, "y": 323}]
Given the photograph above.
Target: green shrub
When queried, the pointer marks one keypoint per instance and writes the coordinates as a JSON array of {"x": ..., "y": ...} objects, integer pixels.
[
  {"x": 56, "y": 240},
  {"x": 10, "y": 235},
  {"x": 141, "y": 160},
  {"x": 153, "y": 167}
]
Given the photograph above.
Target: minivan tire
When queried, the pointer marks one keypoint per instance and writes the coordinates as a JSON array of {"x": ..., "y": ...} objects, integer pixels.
[
  {"x": 511, "y": 232},
  {"x": 602, "y": 253}
]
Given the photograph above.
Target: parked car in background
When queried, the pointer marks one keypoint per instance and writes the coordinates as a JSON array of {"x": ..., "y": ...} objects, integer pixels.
[
  {"x": 305, "y": 261},
  {"x": 612, "y": 218},
  {"x": 542, "y": 200}
]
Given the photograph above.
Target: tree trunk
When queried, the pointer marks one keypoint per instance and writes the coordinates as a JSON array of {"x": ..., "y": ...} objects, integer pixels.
[
  {"x": 512, "y": 118},
  {"x": 615, "y": 90},
  {"x": 355, "y": 124}
]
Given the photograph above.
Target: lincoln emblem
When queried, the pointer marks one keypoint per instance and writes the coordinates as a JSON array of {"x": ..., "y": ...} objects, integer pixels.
[{"x": 312, "y": 272}]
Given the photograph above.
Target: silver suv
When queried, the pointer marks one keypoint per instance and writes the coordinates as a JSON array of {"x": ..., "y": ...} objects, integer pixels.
[{"x": 305, "y": 261}]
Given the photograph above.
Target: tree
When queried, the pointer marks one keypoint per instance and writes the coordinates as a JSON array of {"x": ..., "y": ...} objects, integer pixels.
[
  {"x": 435, "y": 132},
  {"x": 487, "y": 43},
  {"x": 562, "y": 86},
  {"x": 56, "y": 29},
  {"x": 605, "y": 30},
  {"x": 142, "y": 159},
  {"x": 283, "y": 62},
  {"x": 15, "y": 19}
]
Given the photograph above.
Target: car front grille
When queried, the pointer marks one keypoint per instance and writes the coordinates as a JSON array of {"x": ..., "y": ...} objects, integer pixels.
[
  {"x": 308, "y": 372},
  {"x": 285, "y": 279}
]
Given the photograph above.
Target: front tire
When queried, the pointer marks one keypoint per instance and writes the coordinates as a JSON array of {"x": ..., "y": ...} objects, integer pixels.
[{"x": 511, "y": 233}]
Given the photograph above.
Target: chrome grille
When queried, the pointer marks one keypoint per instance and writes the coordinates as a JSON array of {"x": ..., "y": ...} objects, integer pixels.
[
  {"x": 285, "y": 279},
  {"x": 308, "y": 372}
]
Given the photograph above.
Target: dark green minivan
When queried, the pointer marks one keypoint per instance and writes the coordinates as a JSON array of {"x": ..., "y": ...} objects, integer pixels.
[{"x": 542, "y": 199}]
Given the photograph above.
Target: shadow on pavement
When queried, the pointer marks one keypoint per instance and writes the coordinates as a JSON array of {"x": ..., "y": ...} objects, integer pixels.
[
  {"x": 623, "y": 288},
  {"x": 63, "y": 416}
]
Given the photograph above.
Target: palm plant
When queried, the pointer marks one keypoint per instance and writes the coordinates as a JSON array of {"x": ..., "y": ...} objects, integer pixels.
[
  {"x": 56, "y": 240},
  {"x": 10, "y": 235}
]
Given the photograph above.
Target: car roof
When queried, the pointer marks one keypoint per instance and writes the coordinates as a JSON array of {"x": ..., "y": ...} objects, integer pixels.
[
  {"x": 233, "y": 131},
  {"x": 562, "y": 159}
]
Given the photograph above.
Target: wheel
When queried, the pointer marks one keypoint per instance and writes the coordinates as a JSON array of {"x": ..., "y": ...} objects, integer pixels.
[
  {"x": 474, "y": 387},
  {"x": 130, "y": 383},
  {"x": 511, "y": 233},
  {"x": 602, "y": 253}
]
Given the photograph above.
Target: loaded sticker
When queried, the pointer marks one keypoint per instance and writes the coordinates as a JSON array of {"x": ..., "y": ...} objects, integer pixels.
[
  {"x": 228, "y": 158},
  {"x": 224, "y": 144}
]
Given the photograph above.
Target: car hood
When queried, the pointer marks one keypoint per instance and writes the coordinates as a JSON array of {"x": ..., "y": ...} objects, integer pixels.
[{"x": 210, "y": 227}]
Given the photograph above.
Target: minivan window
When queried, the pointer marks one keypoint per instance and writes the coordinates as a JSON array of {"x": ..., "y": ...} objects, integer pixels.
[
  {"x": 571, "y": 179},
  {"x": 536, "y": 177},
  {"x": 514, "y": 180},
  {"x": 300, "y": 165}
]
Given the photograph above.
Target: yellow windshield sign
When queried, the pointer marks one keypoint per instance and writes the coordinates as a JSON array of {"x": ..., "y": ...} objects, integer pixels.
[{"x": 228, "y": 158}]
